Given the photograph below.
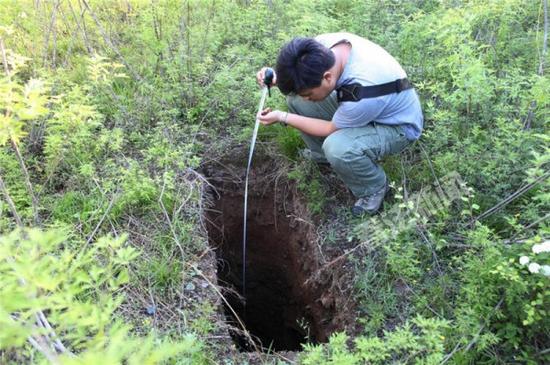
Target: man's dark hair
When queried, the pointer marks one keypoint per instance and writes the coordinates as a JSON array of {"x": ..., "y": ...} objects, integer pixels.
[{"x": 301, "y": 65}]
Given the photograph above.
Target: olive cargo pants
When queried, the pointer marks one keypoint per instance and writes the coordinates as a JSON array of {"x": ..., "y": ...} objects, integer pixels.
[{"x": 353, "y": 153}]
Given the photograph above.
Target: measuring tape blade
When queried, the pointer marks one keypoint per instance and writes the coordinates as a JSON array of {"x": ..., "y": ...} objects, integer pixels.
[{"x": 251, "y": 153}]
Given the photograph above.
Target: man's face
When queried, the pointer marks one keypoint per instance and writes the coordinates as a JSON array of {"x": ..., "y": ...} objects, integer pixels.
[{"x": 320, "y": 92}]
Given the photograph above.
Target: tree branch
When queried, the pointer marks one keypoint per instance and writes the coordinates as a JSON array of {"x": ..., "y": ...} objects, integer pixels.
[
  {"x": 41, "y": 343},
  {"x": 34, "y": 200},
  {"x": 49, "y": 30},
  {"x": 84, "y": 31},
  {"x": 544, "y": 39},
  {"x": 40, "y": 346},
  {"x": 108, "y": 40},
  {"x": 476, "y": 337}
]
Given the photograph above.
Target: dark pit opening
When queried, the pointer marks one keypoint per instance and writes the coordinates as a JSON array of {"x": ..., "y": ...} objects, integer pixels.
[{"x": 281, "y": 309}]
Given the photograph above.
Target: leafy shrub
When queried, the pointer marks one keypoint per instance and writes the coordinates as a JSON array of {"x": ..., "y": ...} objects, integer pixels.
[
  {"x": 73, "y": 287},
  {"x": 119, "y": 103},
  {"x": 307, "y": 181},
  {"x": 419, "y": 342}
]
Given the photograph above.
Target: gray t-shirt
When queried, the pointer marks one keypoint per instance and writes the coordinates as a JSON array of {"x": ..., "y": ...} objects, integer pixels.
[{"x": 369, "y": 64}]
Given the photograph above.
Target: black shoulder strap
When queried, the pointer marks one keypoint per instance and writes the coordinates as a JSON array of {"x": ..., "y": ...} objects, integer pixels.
[{"x": 356, "y": 92}]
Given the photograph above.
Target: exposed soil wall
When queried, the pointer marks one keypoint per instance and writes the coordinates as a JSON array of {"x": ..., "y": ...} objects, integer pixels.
[{"x": 285, "y": 303}]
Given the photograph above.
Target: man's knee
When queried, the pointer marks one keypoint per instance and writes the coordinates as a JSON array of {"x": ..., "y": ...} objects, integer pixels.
[
  {"x": 337, "y": 147},
  {"x": 291, "y": 101},
  {"x": 324, "y": 109},
  {"x": 298, "y": 105}
]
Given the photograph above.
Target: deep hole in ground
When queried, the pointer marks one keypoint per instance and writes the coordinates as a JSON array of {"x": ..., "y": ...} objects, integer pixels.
[{"x": 286, "y": 303}]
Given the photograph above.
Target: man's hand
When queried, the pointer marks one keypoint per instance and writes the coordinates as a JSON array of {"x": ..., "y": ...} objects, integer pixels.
[
  {"x": 268, "y": 116},
  {"x": 261, "y": 75}
]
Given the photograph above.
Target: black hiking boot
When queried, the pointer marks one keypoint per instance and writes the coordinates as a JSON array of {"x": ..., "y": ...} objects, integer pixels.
[{"x": 370, "y": 204}]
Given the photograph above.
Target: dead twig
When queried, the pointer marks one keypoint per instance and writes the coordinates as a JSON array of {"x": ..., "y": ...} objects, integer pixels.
[
  {"x": 431, "y": 246},
  {"x": 336, "y": 260},
  {"x": 530, "y": 225},
  {"x": 43, "y": 322},
  {"x": 98, "y": 225},
  {"x": 511, "y": 198},
  {"x": 23, "y": 166},
  {"x": 222, "y": 297},
  {"x": 431, "y": 165},
  {"x": 41, "y": 343},
  {"x": 169, "y": 221},
  {"x": 476, "y": 336}
]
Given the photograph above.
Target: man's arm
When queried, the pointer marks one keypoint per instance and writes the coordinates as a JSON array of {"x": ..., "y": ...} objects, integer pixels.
[{"x": 312, "y": 126}]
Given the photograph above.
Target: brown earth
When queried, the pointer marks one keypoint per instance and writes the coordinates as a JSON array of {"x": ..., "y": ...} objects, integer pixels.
[{"x": 287, "y": 300}]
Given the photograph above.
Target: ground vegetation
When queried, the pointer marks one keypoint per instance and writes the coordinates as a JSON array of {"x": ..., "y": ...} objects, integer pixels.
[{"x": 114, "y": 113}]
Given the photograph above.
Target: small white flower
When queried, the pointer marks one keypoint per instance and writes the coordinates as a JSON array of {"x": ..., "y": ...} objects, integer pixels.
[
  {"x": 543, "y": 247},
  {"x": 524, "y": 260},
  {"x": 545, "y": 270},
  {"x": 534, "y": 267}
]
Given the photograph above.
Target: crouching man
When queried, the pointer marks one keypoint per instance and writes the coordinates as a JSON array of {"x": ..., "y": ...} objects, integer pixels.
[{"x": 353, "y": 103}]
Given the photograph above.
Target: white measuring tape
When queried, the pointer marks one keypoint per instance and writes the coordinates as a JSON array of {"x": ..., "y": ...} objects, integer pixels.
[{"x": 251, "y": 153}]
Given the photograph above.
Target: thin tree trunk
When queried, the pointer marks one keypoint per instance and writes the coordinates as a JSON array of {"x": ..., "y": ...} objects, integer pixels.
[
  {"x": 83, "y": 26},
  {"x": 4, "y": 58},
  {"x": 49, "y": 31},
  {"x": 544, "y": 40},
  {"x": 34, "y": 200},
  {"x": 188, "y": 36},
  {"x": 9, "y": 200},
  {"x": 533, "y": 104},
  {"x": 110, "y": 43},
  {"x": 54, "y": 31},
  {"x": 207, "y": 31},
  {"x": 65, "y": 20}
]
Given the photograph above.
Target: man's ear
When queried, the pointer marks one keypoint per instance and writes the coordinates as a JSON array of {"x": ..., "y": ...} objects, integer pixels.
[{"x": 328, "y": 76}]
